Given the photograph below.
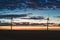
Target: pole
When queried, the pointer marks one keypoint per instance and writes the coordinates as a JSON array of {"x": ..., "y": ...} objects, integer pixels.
[
  {"x": 11, "y": 23},
  {"x": 47, "y": 23}
]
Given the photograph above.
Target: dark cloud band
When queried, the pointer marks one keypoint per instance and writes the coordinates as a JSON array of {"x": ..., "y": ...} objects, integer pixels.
[
  {"x": 57, "y": 16},
  {"x": 35, "y": 17},
  {"x": 13, "y": 16}
]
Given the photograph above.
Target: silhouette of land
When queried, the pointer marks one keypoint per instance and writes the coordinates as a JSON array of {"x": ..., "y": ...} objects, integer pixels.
[{"x": 29, "y": 35}]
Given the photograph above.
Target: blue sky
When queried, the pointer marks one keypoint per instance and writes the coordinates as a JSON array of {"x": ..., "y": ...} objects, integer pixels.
[
  {"x": 45, "y": 13},
  {"x": 8, "y": 7}
]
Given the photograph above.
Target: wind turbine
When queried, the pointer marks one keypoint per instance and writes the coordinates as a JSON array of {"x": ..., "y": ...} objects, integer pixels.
[
  {"x": 47, "y": 23},
  {"x": 17, "y": 17},
  {"x": 11, "y": 23}
]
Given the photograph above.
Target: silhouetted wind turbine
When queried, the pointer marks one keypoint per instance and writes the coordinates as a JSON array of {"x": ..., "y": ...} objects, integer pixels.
[
  {"x": 17, "y": 17},
  {"x": 47, "y": 23},
  {"x": 11, "y": 22}
]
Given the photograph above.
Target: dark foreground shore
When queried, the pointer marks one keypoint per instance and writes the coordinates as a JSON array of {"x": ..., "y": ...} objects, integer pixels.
[{"x": 29, "y": 35}]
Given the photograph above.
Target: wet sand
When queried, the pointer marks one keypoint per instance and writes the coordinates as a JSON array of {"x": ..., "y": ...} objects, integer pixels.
[{"x": 29, "y": 28}]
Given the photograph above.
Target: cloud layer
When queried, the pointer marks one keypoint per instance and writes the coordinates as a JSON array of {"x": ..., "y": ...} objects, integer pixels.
[
  {"x": 34, "y": 17},
  {"x": 34, "y": 4},
  {"x": 57, "y": 16},
  {"x": 13, "y": 16}
]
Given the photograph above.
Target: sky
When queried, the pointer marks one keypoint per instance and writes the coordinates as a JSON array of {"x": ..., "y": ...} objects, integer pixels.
[
  {"x": 52, "y": 14},
  {"x": 19, "y": 7}
]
